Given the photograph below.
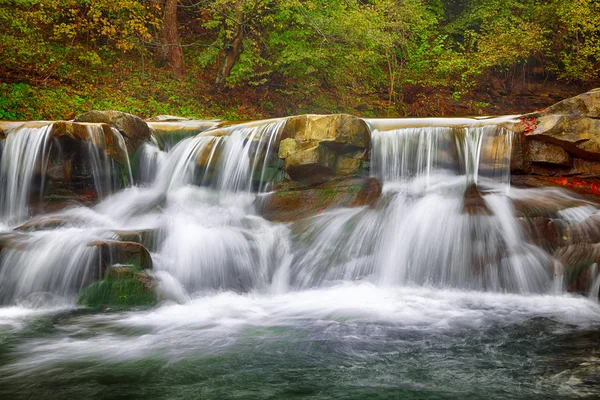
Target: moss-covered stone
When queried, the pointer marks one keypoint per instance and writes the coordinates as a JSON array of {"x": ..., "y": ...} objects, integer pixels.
[{"x": 122, "y": 288}]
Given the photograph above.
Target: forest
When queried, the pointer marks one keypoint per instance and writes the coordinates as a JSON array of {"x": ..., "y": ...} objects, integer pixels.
[{"x": 242, "y": 59}]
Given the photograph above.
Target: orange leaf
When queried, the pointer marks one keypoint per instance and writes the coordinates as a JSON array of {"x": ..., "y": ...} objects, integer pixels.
[{"x": 560, "y": 181}]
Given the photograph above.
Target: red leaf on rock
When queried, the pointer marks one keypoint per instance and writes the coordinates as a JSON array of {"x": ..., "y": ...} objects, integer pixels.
[
  {"x": 560, "y": 181},
  {"x": 595, "y": 188},
  {"x": 530, "y": 125}
]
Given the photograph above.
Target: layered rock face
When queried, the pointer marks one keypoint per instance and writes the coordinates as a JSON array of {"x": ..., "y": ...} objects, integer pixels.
[
  {"x": 560, "y": 146},
  {"x": 325, "y": 163}
]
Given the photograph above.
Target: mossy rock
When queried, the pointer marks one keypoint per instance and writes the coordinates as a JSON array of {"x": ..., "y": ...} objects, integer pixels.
[{"x": 122, "y": 288}]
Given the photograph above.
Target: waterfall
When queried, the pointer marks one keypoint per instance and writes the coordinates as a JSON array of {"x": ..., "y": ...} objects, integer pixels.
[
  {"x": 58, "y": 262},
  {"x": 149, "y": 162},
  {"x": 27, "y": 152},
  {"x": 24, "y": 161},
  {"x": 445, "y": 218},
  {"x": 236, "y": 161},
  {"x": 404, "y": 154},
  {"x": 429, "y": 229},
  {"x": 105, "y": 171}
]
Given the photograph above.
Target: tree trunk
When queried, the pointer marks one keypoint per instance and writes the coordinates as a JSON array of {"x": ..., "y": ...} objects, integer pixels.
[
  {"x": 232, "y": 53},
  {"x": 174, "y": 52}
]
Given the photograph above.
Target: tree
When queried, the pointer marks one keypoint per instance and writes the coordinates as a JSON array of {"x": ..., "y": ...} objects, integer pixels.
[{"x": 172, "y": 43}]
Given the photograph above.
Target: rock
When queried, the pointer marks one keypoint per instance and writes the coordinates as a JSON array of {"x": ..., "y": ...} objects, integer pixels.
[
  {"x": 12, "y": 240},
  {"x": 588, "y": 189},
  {"x": 578, "y": 261},
  {"x": 135, "y": 130},
  {"x": 341, "y": 130},
  {"x": 573, "y": 124},
  {"x": 316, "y": 148},
  {"x": 6, "y": 126},
  {"x": 122, "y": 287},
  {"x": 292, "y": 203},
  {"x": 169, "y": 133},
  {"x": 546, "y": 233},
  {"x": 547, "y": 153},
  {"x": 144, "y": 237},
  {"x": 474, "y": 203},
  {"x": 47, "y": 222},
  {"x": 129, "y": 254}
]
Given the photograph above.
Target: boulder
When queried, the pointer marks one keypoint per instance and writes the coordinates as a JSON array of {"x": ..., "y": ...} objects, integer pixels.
[
  {"x": 338, "y": 130},
  {"x": 134, "y": 129},
  {"x": 573, "y": 124},
  {"x": 107, "y": 139},
  {"x": 289, "y": 203},
  {"x": 316, "y": 148}
]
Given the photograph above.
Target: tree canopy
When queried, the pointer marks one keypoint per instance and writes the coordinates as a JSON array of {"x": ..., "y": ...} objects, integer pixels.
[{"x": 68, "y": 50}]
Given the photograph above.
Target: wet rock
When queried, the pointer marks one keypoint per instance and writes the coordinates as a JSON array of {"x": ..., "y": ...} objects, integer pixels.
[
  {"x": 44, "y": 223},
  {"x": 546, "y": 233},
  {"x": 135, "y": 130},
  {"x": 144, "y": 237},
  {"x": 168, "y": 133},
  {"x": 586, "y": 188},
  {"x": 474, "y": 203},
  {"x": 129, "y": 254},
  {"x": 12, "y": 240},
  {"x": 580, "y": 264},
  {"x": 294, "y": 203}
]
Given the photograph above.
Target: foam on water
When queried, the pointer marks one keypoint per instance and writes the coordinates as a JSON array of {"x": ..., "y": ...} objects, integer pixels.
[{"x": 213, "y": 324}]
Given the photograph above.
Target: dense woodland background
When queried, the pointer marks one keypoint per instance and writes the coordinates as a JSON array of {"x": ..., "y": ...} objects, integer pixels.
[{"x": 241, "y": 59}]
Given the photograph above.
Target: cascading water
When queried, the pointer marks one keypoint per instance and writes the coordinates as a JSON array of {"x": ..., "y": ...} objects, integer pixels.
[
  {"x": 27, "y": 152},
  {"x": 105, "y": 171},
  {"x": 433, "y": 227},
  {"x": 23, "y": 162},
  {"x": 440, "y": 275}
]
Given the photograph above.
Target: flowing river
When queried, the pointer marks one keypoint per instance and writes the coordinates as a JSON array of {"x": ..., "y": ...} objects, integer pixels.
[{"x": 418, "y": 297}]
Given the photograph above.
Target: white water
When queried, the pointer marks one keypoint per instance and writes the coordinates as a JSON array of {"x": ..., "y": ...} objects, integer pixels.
[
  {"x": 198, "y": 200},
  {"x": 213, "y": 324},
  {"x": 24, "y": 161},
  {"x": 23, "y": 157},
  {"x": 105, "y": 171}
]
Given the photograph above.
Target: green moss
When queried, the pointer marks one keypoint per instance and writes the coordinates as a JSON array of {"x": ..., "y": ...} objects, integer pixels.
[{"x": 126, "y": 291}]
